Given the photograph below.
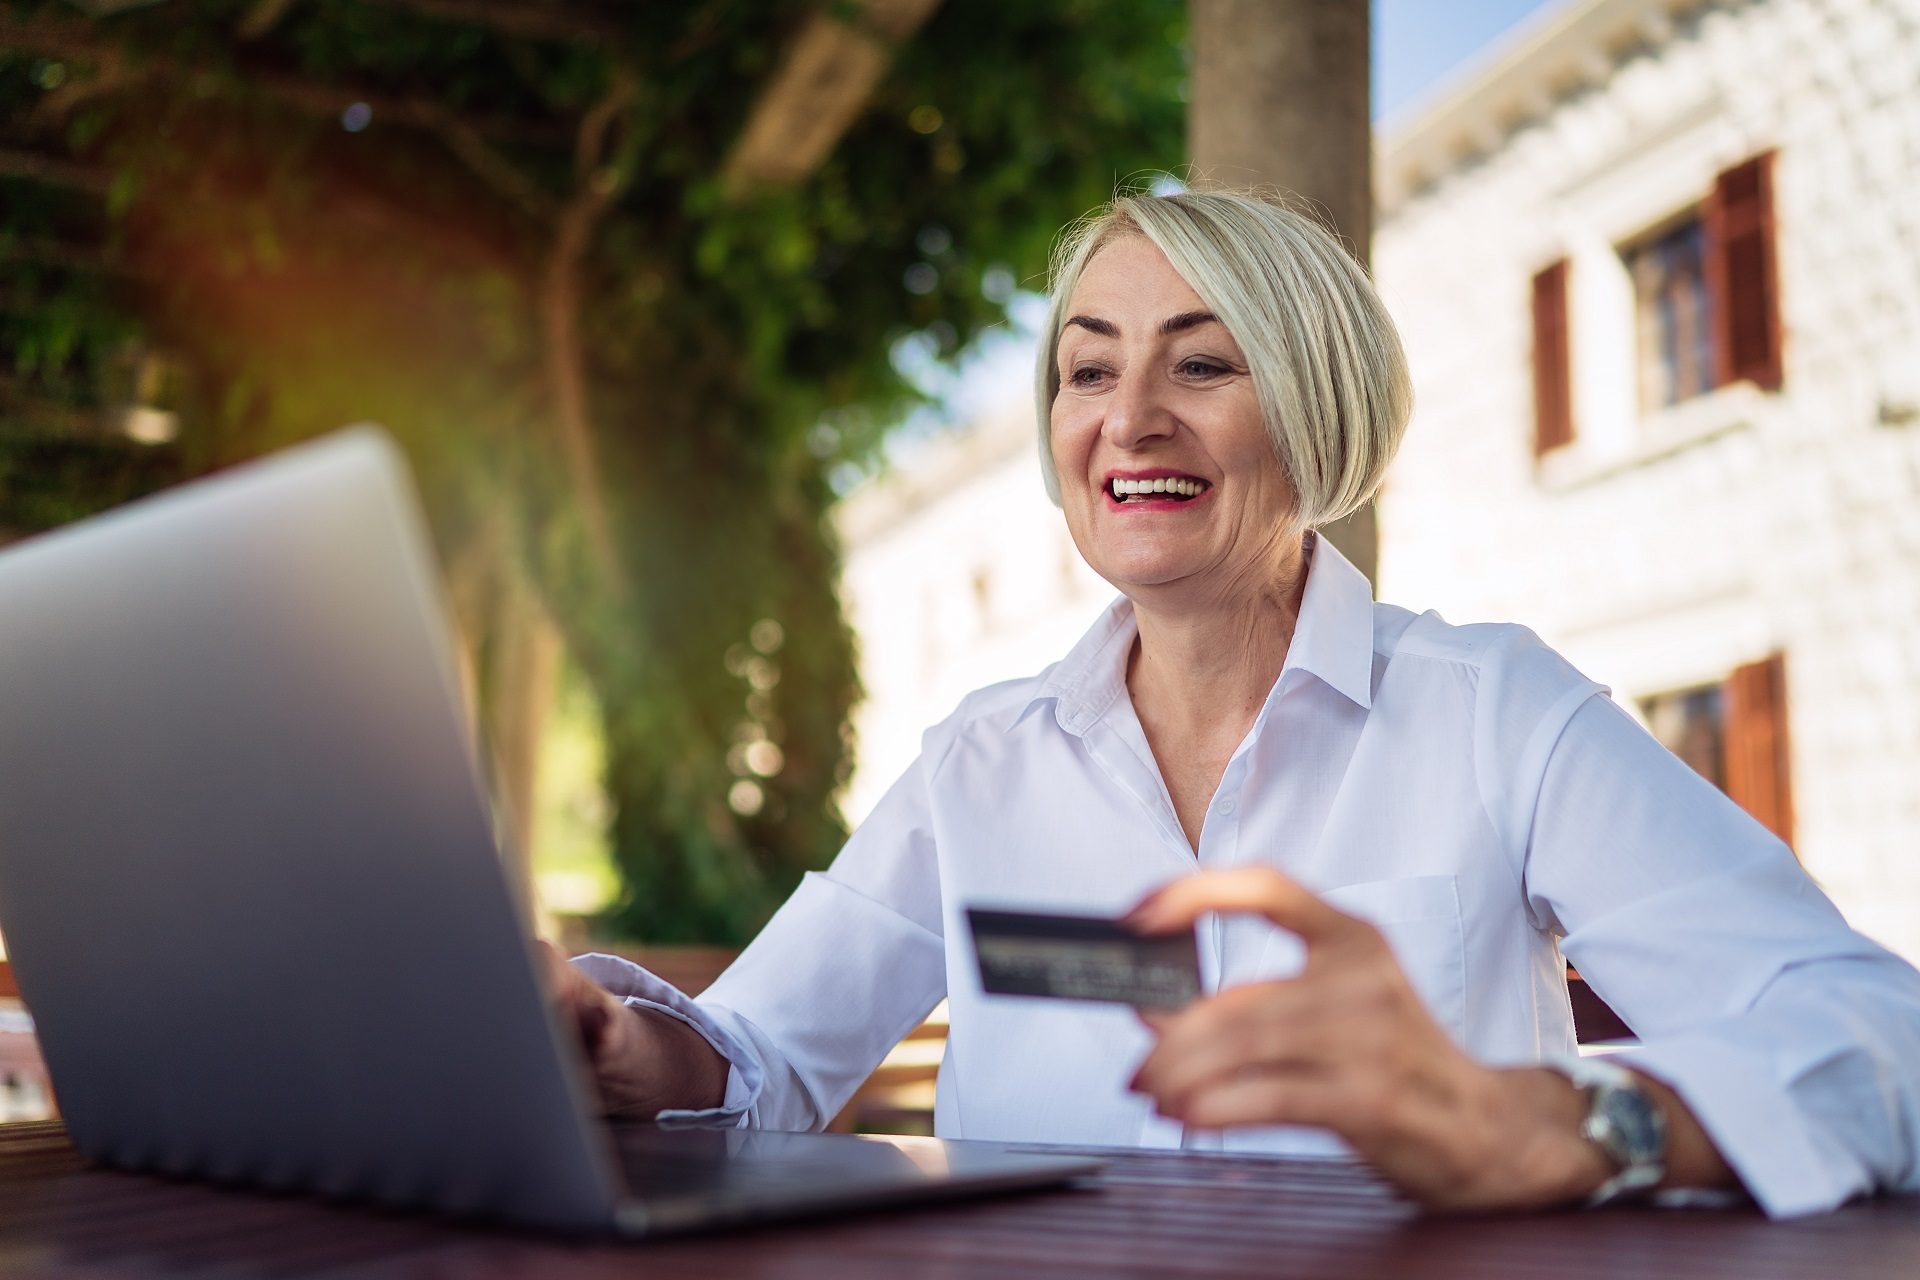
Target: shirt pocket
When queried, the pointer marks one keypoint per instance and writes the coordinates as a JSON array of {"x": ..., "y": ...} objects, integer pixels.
[{"x": 1420, "y": 916}]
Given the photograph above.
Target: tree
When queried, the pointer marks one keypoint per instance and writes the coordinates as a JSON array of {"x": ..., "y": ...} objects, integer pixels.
[{"x": 503, "y": 231}]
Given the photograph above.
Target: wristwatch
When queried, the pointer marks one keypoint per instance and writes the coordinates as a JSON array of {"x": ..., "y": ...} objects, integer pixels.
[{"x": 1623, "y": 1121}]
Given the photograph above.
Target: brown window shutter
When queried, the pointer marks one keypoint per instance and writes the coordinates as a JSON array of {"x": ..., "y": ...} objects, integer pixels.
[
  {"x": 1552, "y": 361},
  {"x": 1756, "y": 743},
  {"x": 1743, "y": 286}
]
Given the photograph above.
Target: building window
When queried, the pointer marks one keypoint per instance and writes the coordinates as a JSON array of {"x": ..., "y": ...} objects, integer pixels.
[
  {"x": 1672, "y": 313},
  {"x": 1706, "y": 299},
  {"x": 1734, "y": 734},
  {"x": 1706, "y": 292},
  {"x": 1691, "y": 723}
]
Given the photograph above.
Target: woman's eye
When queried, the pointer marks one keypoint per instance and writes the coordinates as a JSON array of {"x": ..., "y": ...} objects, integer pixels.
[
  {"x": 1086, "y": 376},
  {"x": 1200, "y": 368}
]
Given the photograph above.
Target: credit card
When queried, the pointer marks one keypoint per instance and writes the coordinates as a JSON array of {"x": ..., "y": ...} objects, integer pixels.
[{"x": 1069, "y": 957}]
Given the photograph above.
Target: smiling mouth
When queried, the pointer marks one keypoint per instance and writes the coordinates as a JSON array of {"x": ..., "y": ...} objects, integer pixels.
[{"x": 1158, "y": 489}]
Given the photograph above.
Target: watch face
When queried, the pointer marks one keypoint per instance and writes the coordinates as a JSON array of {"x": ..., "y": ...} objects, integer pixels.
[{"x": 1636, "y": 1126}]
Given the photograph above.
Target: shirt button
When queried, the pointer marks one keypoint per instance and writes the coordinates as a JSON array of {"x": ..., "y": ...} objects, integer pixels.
[{"x": 1226, "y": 806}]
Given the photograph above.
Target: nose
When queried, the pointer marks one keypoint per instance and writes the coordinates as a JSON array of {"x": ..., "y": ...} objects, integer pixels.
[{"x": 1137, "y": 412}]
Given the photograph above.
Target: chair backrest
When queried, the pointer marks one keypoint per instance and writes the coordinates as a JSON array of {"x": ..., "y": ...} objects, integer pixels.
[
  {"x": 26, "y": 1091},
  {"x": 1593, "y": 1020}
]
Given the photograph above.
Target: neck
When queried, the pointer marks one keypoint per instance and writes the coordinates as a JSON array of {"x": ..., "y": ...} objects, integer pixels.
[{"x": 1205, "y": 663}]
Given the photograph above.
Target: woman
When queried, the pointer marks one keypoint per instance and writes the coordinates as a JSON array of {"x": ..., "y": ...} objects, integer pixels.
[{"x": 1429, "y": 814}]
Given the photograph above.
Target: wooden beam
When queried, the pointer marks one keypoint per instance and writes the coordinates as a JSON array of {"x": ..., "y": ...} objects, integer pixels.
[{"x": 830, "y": 70}]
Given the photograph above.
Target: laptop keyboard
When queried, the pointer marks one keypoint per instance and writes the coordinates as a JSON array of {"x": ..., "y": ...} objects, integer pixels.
[{"x": 734, "y": 1164}]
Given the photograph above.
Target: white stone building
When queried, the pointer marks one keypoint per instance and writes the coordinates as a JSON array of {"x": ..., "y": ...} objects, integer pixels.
[
  {"x": 959, "y": 573},
  {"x": 1730, "y": 533},
  {"x": 1657, "y": 266}
]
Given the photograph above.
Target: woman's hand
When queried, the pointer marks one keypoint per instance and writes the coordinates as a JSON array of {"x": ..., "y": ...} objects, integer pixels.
[
  {"x": 1349, "y": 1046},
  {"x": 643, "y": 1062}
]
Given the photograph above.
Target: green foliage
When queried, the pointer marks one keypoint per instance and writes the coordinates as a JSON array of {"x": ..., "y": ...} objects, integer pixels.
[
  {"x": 48, "y": 480},
  {"x": 306, "y": 262}
]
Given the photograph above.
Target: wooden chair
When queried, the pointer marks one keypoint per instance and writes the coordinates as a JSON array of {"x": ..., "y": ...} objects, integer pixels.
[
  {"x": 1592, "y": 1019},
  {"x": 898, "y": 1096},
  {"x": 22, "y": 1070}
]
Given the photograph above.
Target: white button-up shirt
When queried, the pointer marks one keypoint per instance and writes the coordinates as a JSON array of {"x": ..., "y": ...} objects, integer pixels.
[{"x": 1463, "y": 787}]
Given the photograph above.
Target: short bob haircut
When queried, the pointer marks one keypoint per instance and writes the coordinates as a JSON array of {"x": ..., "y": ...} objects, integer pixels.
[{"x": 1325, "y": 358}]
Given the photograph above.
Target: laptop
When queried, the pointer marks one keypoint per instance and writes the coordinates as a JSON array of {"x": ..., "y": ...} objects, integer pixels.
[{"x": 251, "y": 890}]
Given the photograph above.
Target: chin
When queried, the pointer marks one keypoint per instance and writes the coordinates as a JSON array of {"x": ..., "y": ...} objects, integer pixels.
[{"x": 1128, "y": 578}]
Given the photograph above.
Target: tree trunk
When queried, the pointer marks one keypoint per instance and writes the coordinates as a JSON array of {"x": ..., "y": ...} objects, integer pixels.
[
  {"x": 1280, "y": 97},
  {"x": 524, "y": 681}
]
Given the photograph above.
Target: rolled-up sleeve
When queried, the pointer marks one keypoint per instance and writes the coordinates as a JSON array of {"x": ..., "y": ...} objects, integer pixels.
[
  {"x": 848, "y": 965},
  {"x": 1794, "y": 1040},
  {"x": 644, "y": 990}
]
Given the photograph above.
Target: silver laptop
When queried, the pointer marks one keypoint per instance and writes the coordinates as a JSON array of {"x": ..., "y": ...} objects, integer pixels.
[{"x": 249, "y": 883}]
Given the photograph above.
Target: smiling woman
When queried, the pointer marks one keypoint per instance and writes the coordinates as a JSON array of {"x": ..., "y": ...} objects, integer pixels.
[
  {"x": 1323, "y": 361},
  {"x": 1388, "y": 829}
]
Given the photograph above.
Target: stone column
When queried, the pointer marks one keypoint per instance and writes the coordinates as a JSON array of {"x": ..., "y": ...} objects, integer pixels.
[{"x": 1280, "y": 97}]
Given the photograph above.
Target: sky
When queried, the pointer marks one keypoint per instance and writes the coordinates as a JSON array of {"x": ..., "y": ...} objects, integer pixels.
[
  {"x": 1420, "y": 47},
  {"x": 1416, "y": 43}
]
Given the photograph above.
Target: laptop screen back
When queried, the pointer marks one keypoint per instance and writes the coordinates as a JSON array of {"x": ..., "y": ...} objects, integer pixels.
[{"x": 247, "y": 876}]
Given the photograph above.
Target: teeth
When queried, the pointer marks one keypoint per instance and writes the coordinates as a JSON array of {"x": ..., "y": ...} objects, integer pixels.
[{"x": 1164, "y": 484}]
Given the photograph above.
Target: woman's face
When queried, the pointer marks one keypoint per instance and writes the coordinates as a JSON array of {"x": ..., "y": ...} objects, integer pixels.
[{"x": 1155, "y": 395}]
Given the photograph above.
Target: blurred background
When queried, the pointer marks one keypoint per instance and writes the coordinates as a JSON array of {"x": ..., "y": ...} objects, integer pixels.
[{"x": 708, "y": 330}]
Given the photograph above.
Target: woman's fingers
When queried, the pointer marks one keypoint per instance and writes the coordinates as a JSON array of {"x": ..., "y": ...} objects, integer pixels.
[
  {"x": 1299, "y": 1047},
  {"x": 1258, "y": 1026},
  {"x": 582, "y": 1001},
  {"x": 642, "y": 1061},
  {"x": 1264, "y": 1097},
  {"x": 1347, "y": 1045},
  {"x": 1258, "y": 890},
  {"x": 1342, "y": 1045}
]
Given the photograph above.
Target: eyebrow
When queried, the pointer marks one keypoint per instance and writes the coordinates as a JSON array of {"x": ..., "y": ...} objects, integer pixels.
[
  {"x": 1172, "y": 324},
  {"x": 1188, "y": 320},
  {"x": 1105, "y": 328}
]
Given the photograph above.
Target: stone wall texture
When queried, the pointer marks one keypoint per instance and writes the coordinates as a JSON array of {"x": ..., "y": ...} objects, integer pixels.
[{"x": 1665, "y": 547}]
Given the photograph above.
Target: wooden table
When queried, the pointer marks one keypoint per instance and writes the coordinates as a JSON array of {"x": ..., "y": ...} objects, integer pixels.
[{"x": 1148, "y": 1214}]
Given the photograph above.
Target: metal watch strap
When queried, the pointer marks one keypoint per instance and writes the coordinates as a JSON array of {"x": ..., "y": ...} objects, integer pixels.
[{"x": 1623, "y": 1121}]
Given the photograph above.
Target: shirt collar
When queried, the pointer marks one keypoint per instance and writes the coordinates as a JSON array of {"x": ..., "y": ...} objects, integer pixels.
[
  {"x": 1332, "y": 640},
  {"x": 1086, "y": 682},
  {"x": 1333, "y": 636}
]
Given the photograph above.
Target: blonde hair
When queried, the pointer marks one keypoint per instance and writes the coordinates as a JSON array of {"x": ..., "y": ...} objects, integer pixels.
[{"x": 1325, "y": 358}]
